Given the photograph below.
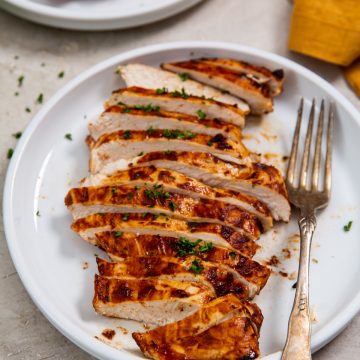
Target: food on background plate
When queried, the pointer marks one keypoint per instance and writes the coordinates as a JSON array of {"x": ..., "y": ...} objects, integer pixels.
[{"x": 178, "y": 202}]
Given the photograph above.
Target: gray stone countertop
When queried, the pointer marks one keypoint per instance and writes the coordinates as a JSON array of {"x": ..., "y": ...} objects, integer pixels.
[{"x": 40, "y": 53}]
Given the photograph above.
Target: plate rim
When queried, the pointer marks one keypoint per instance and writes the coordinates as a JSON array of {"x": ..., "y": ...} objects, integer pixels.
[
  {"x": 67, "y": 19},
  {"x": 60, "y": 322}
]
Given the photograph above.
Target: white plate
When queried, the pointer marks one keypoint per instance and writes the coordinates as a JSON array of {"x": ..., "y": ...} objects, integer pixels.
[
  {"x": 49, "y": 257},
  {"x": 95, "y": 14}
]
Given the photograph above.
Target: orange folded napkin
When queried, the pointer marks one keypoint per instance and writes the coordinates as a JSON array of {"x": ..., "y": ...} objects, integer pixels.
[{"x": 329, "y": 30}]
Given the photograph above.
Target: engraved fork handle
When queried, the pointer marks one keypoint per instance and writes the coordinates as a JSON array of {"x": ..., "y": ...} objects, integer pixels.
[{"x": 297, "y": 345}]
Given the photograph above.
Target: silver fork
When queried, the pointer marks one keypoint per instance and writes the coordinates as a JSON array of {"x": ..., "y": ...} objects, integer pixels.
[{"x": 308, "y": 199}]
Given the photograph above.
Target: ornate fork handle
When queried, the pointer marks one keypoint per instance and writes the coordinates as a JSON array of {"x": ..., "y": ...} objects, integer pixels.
[{"x": 298, "y": 338}]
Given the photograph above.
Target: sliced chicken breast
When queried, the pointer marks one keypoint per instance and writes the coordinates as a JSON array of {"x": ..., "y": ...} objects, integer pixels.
[
  {"x": 261, "y": 181},
  {"x": 129, "y": 199},
  {"x": 152, "y": 78},
  {"x": 200, "y": 336},
  {"x": 178, "y": 183},
  {"x": 192, "y": 269},
  {"x": 121, "y": 117},
  {"x": 250, "y": 272},
  {"x": 172, "y": 101},
  {"x": 128, "y": 144},
  {"x": 151, "y": 224},
  {"x": 255, "y": 94},
  {"x": 148, "y": 300},
  {"x": 259, "y": 74}
]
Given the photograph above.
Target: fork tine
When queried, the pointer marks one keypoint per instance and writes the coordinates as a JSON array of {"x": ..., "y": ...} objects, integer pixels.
[
  {"x": 327, "y": 179},
  {"x": 306, "y": 155},
  {"x": 317, "y": 156},
  {"x": 294, "y": 147}
]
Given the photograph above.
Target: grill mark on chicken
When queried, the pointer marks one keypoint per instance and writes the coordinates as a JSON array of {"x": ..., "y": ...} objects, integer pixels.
[
  {"x": 177, "y": 182},
  {"x": 121, "y": 117},
  {"x": 200, "y": 335},
  {"x": 170, "y": 102},
  {"x": 255, "y": 94},
  {"x": 126, "y": 198},
  {"x": 221, "y": 279},
  {"x": 156, "y": 246},
  {"x": 152, "y": 224},
  {"x": 257, "y": 73}
]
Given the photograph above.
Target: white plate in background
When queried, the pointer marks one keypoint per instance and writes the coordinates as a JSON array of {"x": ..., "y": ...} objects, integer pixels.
[
  {"x": 49, "y": 258},
  {"x": 95, "y": 14}
]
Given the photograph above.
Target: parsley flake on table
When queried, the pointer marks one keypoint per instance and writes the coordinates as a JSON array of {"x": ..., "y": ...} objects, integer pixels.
[
  {"x": 20, "y": 80},
  {"x": 38, "y": 213},
  {"x": 347, "y": 227},
  {"x": 127, "y": 135},
  {"x": 28, "y": 110},
  {"x": 40, "y": 98},
  {"x": 10, "y": 153},
  {"x": 17, "y": 135},
  {"x": 61, "y": 74},
  {"x": 184, "y": 76},
  {"x": 68, "y": 136},
  {"x": 201, "y": 115}
]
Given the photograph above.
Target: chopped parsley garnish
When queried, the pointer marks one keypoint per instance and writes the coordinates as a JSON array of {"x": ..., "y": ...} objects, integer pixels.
[
  {"x": 140, "y": 153},
  {"x": 168, "y": 152},
  {"x": 126, "y": 110},
  {"x": 150, "y": 130},
  {"x": 10, "y": 153},
  {"x": 144, "y": 214},
  {"x": 61, "y": 74},
  {"x": 68, "y": 136},
  {"x": 147, "y": 108},
  {"x": 127, "y": 134},
  {"x": 20, "y": 80},
  {"x": 184, "y": 76},
  {"x": 38, "y": 213},
  {"x": 232, "y": 254},
  {"x": 161, "y": 91},
  {"x": 28, "y": 110},
  {"x": 130, "y": 196},
  {"x": 137, "y": 187},
  {"x": 196, "y": 267},
  {"x": 119, "y": 234},
  {"x": 187, "y": 247},
  {"x": 201, "y": 115},
  {"x": 178, "y": 134},
  {"x": 17, "y": 135},
  {"x": 40, "y": 98},
  {"x": 125, "y": 217},
  {"x": 181, "y": 94},
  {"x": 209, "y": 143},
  {"x": 172, "y": 206},
  {"x": 347, "y": 227},
  {"x": 114, "y": 190},
  {"x": 157, "y": 192},
  {"x": 206, "y": 247}
]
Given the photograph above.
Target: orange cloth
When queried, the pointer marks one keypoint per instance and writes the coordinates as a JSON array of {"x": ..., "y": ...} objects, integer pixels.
[{"x": 329, "y": 30}]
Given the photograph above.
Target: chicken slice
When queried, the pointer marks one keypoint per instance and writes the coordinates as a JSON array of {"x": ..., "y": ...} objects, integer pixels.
[
  {"x": 121, "y": 117},
  {"x": 129, "y": 199},
  {"x": 259, "y": 74},
  {"x": 200, "y": 336},
  {"x": 176, "y": 182},
  {"x": 152, "y": 78},
  {"x": 150, "y": 301},
  {"x": 261, "y": 181},
  {"x": 222, "y": 280},
  {"x": 151, "y": 224},
  {"x": 178, "y": 102},
  {"x": 121, "y": 145},
  {"x": 255, "y": 94},
  {"x": 123, "y": 245}
]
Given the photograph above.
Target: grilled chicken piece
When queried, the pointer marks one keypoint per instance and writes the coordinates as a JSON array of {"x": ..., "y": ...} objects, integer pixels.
[
  {"x": 222, "y": 280},
  {"x": 178, "y": 183},
  {"x": 261, "y": 181},
  {"x": 148, "y": 300},
  {"x": 128, "y": 144},
  {"x": 259, "y": 74},
  {"x": 126, "y": 245},
  {"x": 255, "y": 94},
  {"x": 200, "y": 336},
  {"x": 121, "y": 117},
  {"x": 151, "y": 224},
  {"x": 152, "y": 78},
  {"x": 129, "y": 199},
  {"x": 175, "y": 102}
]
